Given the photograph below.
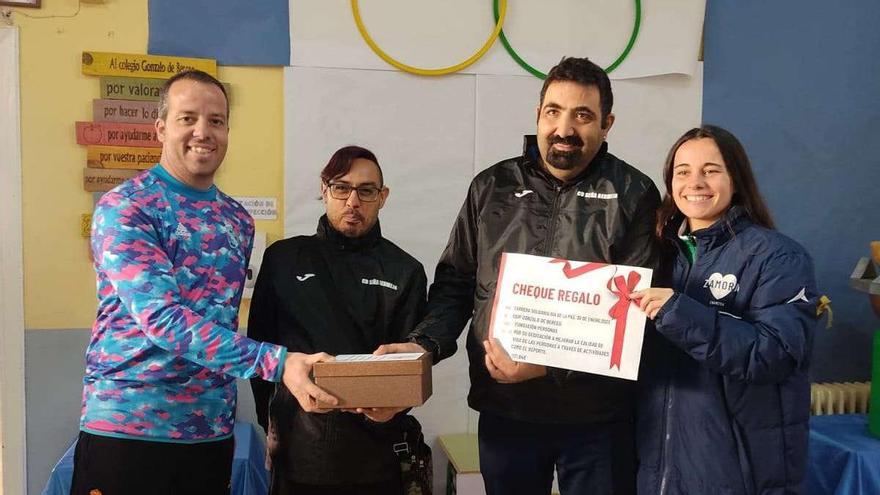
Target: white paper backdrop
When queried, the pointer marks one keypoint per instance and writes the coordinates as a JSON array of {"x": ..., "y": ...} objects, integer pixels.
[
  {"x": 651, "y": 113},
  {"x": 421, "y": 130}
]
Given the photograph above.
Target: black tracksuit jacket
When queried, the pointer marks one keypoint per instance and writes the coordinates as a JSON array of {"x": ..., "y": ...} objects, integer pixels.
[
  {"x": 321, "y": 293},
  {"x": 607, "y": 214}
]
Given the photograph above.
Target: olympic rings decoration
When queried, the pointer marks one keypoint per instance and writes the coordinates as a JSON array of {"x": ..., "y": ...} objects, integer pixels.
[
  {"x": 499, "y": 20},
  {"x": 499, "y": 10},
  {"x": 540, "y": 75}
]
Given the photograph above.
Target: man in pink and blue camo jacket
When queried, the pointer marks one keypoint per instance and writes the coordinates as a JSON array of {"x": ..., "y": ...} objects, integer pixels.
[{"x": 171, "y": 253}]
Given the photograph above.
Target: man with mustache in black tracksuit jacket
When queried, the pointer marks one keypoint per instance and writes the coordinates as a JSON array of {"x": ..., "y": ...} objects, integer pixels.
[{"x": 565, "y": 197}]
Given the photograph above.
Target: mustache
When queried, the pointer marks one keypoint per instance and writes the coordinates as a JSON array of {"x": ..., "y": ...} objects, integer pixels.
[
  {"x": 573, "y": 140},
  {"x": 354, "y": 213}
]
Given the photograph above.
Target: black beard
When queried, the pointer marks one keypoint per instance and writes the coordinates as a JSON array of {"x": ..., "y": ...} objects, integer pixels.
[{"x": 564, "y": 160}]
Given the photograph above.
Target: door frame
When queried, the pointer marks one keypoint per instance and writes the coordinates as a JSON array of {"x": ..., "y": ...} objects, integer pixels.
[{"x": 12, "y": 390}]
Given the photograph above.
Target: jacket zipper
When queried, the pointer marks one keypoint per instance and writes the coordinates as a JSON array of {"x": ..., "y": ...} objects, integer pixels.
[
  {"x": 551, "y": 232},
  {"x": 670, "y": 393},
  {"x": 664, "y": 468}
]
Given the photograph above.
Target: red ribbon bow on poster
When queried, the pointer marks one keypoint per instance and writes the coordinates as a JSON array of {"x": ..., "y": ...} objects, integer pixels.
[{"x": 619, "y": 311}]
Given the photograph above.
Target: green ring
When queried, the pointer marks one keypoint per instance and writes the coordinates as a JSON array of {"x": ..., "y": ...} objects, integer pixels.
[{"x": 540, "y": 75}]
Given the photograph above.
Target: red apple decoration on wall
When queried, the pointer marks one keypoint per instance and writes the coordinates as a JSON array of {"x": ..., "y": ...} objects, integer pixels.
[{"x": 92, "y": 133}]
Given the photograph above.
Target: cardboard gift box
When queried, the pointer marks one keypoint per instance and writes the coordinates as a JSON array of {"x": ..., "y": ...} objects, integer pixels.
[{"x": 364, "y": 380}]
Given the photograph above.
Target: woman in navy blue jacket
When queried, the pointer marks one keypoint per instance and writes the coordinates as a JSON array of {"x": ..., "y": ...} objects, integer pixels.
[{"x": 724, "y": 407}]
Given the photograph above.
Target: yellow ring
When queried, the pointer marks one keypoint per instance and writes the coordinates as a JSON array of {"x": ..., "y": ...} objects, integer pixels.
[{"x": 428, "y": 72}]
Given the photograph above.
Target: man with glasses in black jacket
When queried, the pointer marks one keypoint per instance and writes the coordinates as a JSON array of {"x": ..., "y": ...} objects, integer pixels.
[{"x": 344, "y": 290}]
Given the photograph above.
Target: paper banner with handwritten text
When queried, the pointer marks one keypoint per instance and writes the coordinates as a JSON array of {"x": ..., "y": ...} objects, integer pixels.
[
  {"x": 131, "y": 112},
  {"x": 105, "y": 179},
  {"x": 117, "y": 134},
  {"x": 138, "y": 65},
  {"x": 131, "y": 158},
  {"x": 569, "y": 314}
]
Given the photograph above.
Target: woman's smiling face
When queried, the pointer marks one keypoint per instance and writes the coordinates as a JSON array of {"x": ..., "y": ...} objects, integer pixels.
[{"x": 701, "y": 185}]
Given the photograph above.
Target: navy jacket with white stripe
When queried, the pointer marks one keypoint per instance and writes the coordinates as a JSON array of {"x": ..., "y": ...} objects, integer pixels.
[{"x": 724, "y": 389}]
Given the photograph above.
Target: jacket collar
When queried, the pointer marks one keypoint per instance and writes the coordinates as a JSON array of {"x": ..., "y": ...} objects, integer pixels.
[
  {"x": 532, "y": 158},
  {"x": 731, "y": 223},
  {"x": 328, "y": 233}
]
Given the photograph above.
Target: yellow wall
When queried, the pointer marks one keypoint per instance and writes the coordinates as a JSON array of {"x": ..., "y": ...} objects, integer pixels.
[{"x": 59, "y": 282}]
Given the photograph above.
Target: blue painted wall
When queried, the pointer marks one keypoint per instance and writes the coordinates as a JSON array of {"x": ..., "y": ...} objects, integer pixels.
[
  {"x": 799, "y": 83},
  {"x": 231, "y": 31}
]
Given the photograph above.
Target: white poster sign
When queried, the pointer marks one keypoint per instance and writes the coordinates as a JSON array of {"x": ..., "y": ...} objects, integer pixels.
[
  {"x": 571, "y": 315},
  {"x": 260, "y": 208}
]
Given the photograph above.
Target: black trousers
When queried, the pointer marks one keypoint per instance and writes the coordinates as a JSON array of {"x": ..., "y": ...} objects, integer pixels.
[
  {"x": 116, "y": 466},
  {"x": 518, "y": 458},
  {"x": 283, "y": 486},
  {"x": 371, "y": 489}
]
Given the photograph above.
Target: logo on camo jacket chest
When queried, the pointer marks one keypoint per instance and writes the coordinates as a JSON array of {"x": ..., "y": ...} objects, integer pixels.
[
  {"x": 225, "y": 229},
  {"x": 229, "y": 231}
]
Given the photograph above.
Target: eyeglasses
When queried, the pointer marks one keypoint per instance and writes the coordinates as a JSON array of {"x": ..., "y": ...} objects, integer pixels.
[{"x": 340, "y": 190}]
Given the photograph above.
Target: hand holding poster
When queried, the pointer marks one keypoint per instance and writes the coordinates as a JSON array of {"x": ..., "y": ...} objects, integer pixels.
[{"x": 570, "y": 315}]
